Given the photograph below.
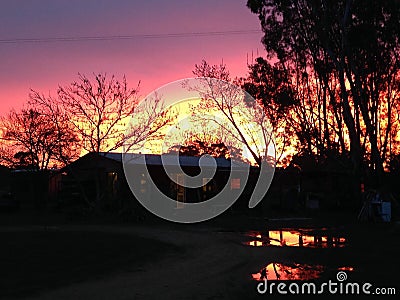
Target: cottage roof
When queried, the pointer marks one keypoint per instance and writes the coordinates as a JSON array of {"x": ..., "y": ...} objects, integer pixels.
[{"x": 184, "y": 161}]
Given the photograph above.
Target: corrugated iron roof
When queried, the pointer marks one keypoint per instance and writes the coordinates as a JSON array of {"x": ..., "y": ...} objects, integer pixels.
[{"x": 168, "y": 159}]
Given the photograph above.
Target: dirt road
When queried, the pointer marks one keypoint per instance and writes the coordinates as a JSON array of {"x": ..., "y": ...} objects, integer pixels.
[{"x": 212, "y": 265}]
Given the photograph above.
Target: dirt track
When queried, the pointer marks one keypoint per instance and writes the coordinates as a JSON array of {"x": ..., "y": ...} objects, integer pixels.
[{"x": 214, "y": 265}]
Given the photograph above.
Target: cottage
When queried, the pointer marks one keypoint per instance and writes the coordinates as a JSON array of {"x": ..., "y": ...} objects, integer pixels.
[{"x": 101, "y": 177}]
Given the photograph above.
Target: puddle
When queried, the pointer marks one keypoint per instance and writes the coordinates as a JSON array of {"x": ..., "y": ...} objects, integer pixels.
[
  {"x": 350, "y": 269},
  {"x": 279, "y": 271},
  {"x": 322, "y": 238}
]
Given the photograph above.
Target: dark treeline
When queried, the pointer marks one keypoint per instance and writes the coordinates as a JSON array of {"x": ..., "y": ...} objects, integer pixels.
[
  {"x": 329, "y": 84},
  {"x": 331, "y": 78}
]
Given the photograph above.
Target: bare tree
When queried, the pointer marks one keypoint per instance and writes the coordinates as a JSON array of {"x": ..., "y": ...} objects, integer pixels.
[
  {"x": 271, "y": 86},
  {"x": 32, "y": 140},
  {"x": 234, "y": 110},
  {"x": 243, "y": 119},
  {"x": 146, "y": 127},
  {"x": 99, "y": 110}
]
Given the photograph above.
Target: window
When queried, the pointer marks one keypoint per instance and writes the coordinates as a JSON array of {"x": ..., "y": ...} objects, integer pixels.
[
  {"x": 207, "y": 186},
  {"x": 235, "y": 183},
  {"x": 180, "y": 196},
  {"x": 143, "y": 184}
]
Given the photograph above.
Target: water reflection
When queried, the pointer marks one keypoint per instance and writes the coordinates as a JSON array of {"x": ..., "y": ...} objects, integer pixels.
[
  {"x": 350, "y": 269},
  {"x": 297, "y": 238},
  {"x": 279, "y": 271}
]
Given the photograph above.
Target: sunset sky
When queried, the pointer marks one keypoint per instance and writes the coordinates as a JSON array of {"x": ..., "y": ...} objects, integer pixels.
[{"x": 153, "y": 55}]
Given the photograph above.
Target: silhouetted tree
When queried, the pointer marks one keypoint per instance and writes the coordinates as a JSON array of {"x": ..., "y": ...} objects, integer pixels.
[
  {"x": 99, "y": 112},
  {"x": 197, "y": 147},
  {"x": 31, "y": 140},
  {"x": 270, "y": 85},
  {"x": 240, "y": 117},
  {"x": 99, "y": 109},
  {"x": 351, "y": 48}
]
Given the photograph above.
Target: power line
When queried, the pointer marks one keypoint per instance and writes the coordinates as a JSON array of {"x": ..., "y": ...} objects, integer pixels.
[{"x": 126, "y": 37}]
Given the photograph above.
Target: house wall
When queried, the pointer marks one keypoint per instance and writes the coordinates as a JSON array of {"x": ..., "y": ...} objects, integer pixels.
[
  {"x": 5, "y": 178},
  {"x": 30, "y": 188}
]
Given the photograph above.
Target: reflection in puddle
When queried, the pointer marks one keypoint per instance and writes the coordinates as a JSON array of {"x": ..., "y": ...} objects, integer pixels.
[
  {"x": 255, "y": 243},
  {"x": 350, "y": 269},
  {"x": 278, "y": 271},
  {"x": 297, "y": 238}
]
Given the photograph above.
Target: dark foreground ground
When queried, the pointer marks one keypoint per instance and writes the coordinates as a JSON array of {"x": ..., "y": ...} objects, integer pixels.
[
  {"x": 41, "y": 258},
  {"x": 34, "y": 259}
]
